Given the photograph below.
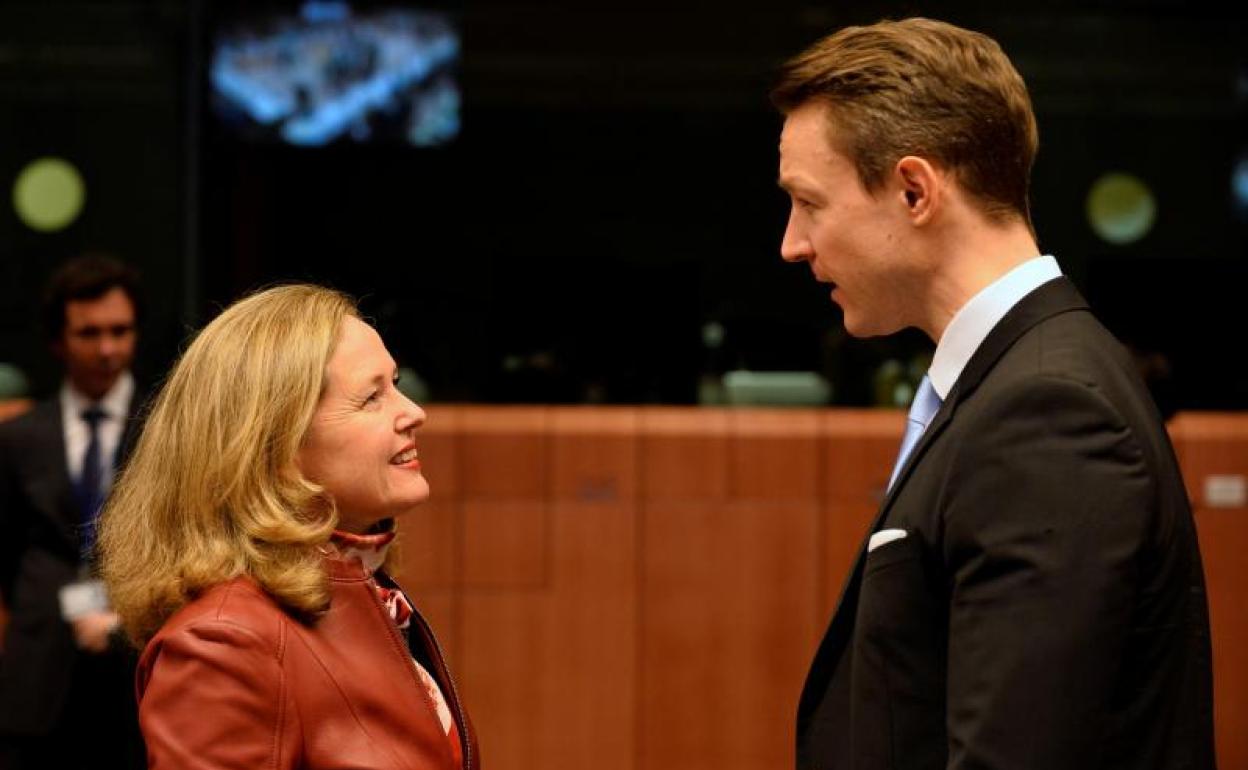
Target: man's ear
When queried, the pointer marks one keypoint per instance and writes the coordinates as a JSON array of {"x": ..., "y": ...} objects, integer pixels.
[{"x": 919, "y": 186}]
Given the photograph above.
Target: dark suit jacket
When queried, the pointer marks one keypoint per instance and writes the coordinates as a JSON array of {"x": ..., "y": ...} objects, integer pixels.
[
  {"x": 39, "y": 553},
  {"x": 1046, "y": 608}
]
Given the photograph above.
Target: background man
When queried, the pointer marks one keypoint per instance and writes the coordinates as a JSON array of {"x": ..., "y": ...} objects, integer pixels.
[
  {"x": 66, "y": 673},
  {"x": 1031, "y": 592}
]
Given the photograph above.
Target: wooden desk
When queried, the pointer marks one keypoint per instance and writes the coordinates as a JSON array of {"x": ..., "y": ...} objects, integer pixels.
[{"x": 644, "y": 587}]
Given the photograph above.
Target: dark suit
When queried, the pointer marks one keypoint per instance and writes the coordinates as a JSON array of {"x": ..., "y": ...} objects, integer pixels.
[
  {"x": 1046, "y": 607},
  {"x": 53, "y": 697}
]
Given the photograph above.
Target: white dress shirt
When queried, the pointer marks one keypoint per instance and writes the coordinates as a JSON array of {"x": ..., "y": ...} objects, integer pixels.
[
  {"x": 971, "y": 324},
  {"x": 116, "y": 404}
]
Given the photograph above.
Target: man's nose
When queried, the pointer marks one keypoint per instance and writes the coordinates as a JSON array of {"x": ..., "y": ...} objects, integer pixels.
[{"x": 795, "y": 246}]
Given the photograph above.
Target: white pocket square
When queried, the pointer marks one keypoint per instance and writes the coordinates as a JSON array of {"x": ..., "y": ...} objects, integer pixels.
[{"x": 883, "y": 537}]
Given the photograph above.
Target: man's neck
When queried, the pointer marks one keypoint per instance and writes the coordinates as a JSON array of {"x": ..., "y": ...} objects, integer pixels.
[
  {"x": 122, "y": 386},
  {"x": 972, "y": 260}
]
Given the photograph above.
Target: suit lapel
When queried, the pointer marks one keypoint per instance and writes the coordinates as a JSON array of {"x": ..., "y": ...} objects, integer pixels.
[
  {"x": 47, "y": 480},
  {"x": 51, "y": 489},
  {"x": 1052, "y": 298}
]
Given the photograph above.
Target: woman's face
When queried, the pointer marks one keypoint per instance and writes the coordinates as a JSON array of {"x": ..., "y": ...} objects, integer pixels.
[{"x": 361, "y": 444}]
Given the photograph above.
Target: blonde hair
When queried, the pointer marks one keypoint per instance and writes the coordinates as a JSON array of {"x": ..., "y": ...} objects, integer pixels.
[
  {"x": 922, "y": 87},
  {"x": 212, "y": 491}
]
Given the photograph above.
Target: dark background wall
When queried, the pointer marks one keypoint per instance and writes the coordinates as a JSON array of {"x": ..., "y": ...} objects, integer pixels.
[
  {"x": 101, "y": 85},
  {"x": 612, "y": 191}
]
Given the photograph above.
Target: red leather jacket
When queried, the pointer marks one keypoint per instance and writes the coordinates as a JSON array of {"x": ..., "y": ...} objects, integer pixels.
[{"x": 233, "y": 681}]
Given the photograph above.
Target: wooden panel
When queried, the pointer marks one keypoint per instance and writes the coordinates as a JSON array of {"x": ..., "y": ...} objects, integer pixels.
[
  {"x": 774, "y": 454},
  {"x": 551, "y": 673},
  {"x": 726, "y": 632},
  {"x": 503, "y": 453},
  {"x": 588, "y": 635},
  {"x": 594, "y": 452},
  {"x": 684, "y": 454},
  {"x": 1216, "y": 444},
  {"x": 439, "y": 444},
  {"x": 860, "y": 447},
  {"x": 844, "y": 527},
  {"x": 430, "y": 538},
  {"x": 1223, "y": 544},
  {"x": 506, "y": 544},
  {"x": 429, "y": 545},
  {"x": 1210, "y": 444}
]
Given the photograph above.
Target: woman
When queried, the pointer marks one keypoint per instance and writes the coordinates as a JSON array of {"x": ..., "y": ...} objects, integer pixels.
[{"x": 245, "y": 546}]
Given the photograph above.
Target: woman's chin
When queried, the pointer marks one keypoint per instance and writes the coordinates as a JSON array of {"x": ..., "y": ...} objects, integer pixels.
[{"x": 418, "y": 498}]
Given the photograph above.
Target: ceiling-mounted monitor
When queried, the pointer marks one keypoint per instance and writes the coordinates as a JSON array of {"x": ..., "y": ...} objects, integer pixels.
[{"x": 333, "y": 72}]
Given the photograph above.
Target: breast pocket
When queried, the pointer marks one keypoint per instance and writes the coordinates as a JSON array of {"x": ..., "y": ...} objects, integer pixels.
[
  {"x": 898, "y": 675},
  {"x": 896, "y": 602}
]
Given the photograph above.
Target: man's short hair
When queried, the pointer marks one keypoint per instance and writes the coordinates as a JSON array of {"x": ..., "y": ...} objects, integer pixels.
[
  {"x": 88, "y": 277},
  {"x": 926, "y": 88}
]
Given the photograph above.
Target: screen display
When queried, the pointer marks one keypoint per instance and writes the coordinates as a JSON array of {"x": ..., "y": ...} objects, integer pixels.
[{"x": 330, "y": 73}]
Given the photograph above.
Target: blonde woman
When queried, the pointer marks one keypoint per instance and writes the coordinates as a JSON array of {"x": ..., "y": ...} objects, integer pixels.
[{"x": 245, "y": 547}]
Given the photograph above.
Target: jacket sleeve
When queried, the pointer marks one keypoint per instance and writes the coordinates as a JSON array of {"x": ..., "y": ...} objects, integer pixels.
[
  {"x": 215, "y": 697},
  {"x": 1046, "y": 509}
]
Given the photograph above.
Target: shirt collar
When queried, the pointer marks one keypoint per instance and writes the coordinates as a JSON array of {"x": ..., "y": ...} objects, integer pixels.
[
  {"x": 369, "y": 548},
  {"x": 972, "y": 323},
  {"x": 116, "y": 402}
]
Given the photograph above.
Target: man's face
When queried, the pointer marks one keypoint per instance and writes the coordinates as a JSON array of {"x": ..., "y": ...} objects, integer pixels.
[
  {"x": 853, "y": 240},
  {"x": 97, "y": 344}
]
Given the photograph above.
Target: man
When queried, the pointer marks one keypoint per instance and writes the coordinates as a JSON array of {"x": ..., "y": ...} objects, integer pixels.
[
  {"x": 66, "y": 673},
  {"x": 1031, "y": 592}
]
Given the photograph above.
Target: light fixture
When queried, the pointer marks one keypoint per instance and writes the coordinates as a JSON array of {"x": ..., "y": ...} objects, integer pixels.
[
  {"x": 48, "y": 194},
  {"x": 1121, "y": 208}
]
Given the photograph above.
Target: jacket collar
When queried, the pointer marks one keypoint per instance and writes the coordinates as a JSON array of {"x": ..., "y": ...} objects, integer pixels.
[{"x": 1053, "y": 298}]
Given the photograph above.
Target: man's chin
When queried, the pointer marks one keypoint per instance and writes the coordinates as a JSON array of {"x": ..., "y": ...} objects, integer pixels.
[
  {"x": 98, "y": 386},
  {"x": 862, "y": 328},
  {"x": 853, "y": 324}
]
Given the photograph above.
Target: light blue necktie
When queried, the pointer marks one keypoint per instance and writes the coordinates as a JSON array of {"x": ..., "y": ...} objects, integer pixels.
[{"x": 924, "y": 407}]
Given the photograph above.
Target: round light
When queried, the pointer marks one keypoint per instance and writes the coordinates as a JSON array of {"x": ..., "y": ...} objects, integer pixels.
[
  {"x": 1121, "y": 208},
  {"x": 13, "y": 382},
  {"x": 712, "y": 334},
  {"x": 48, "y": 194}
]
